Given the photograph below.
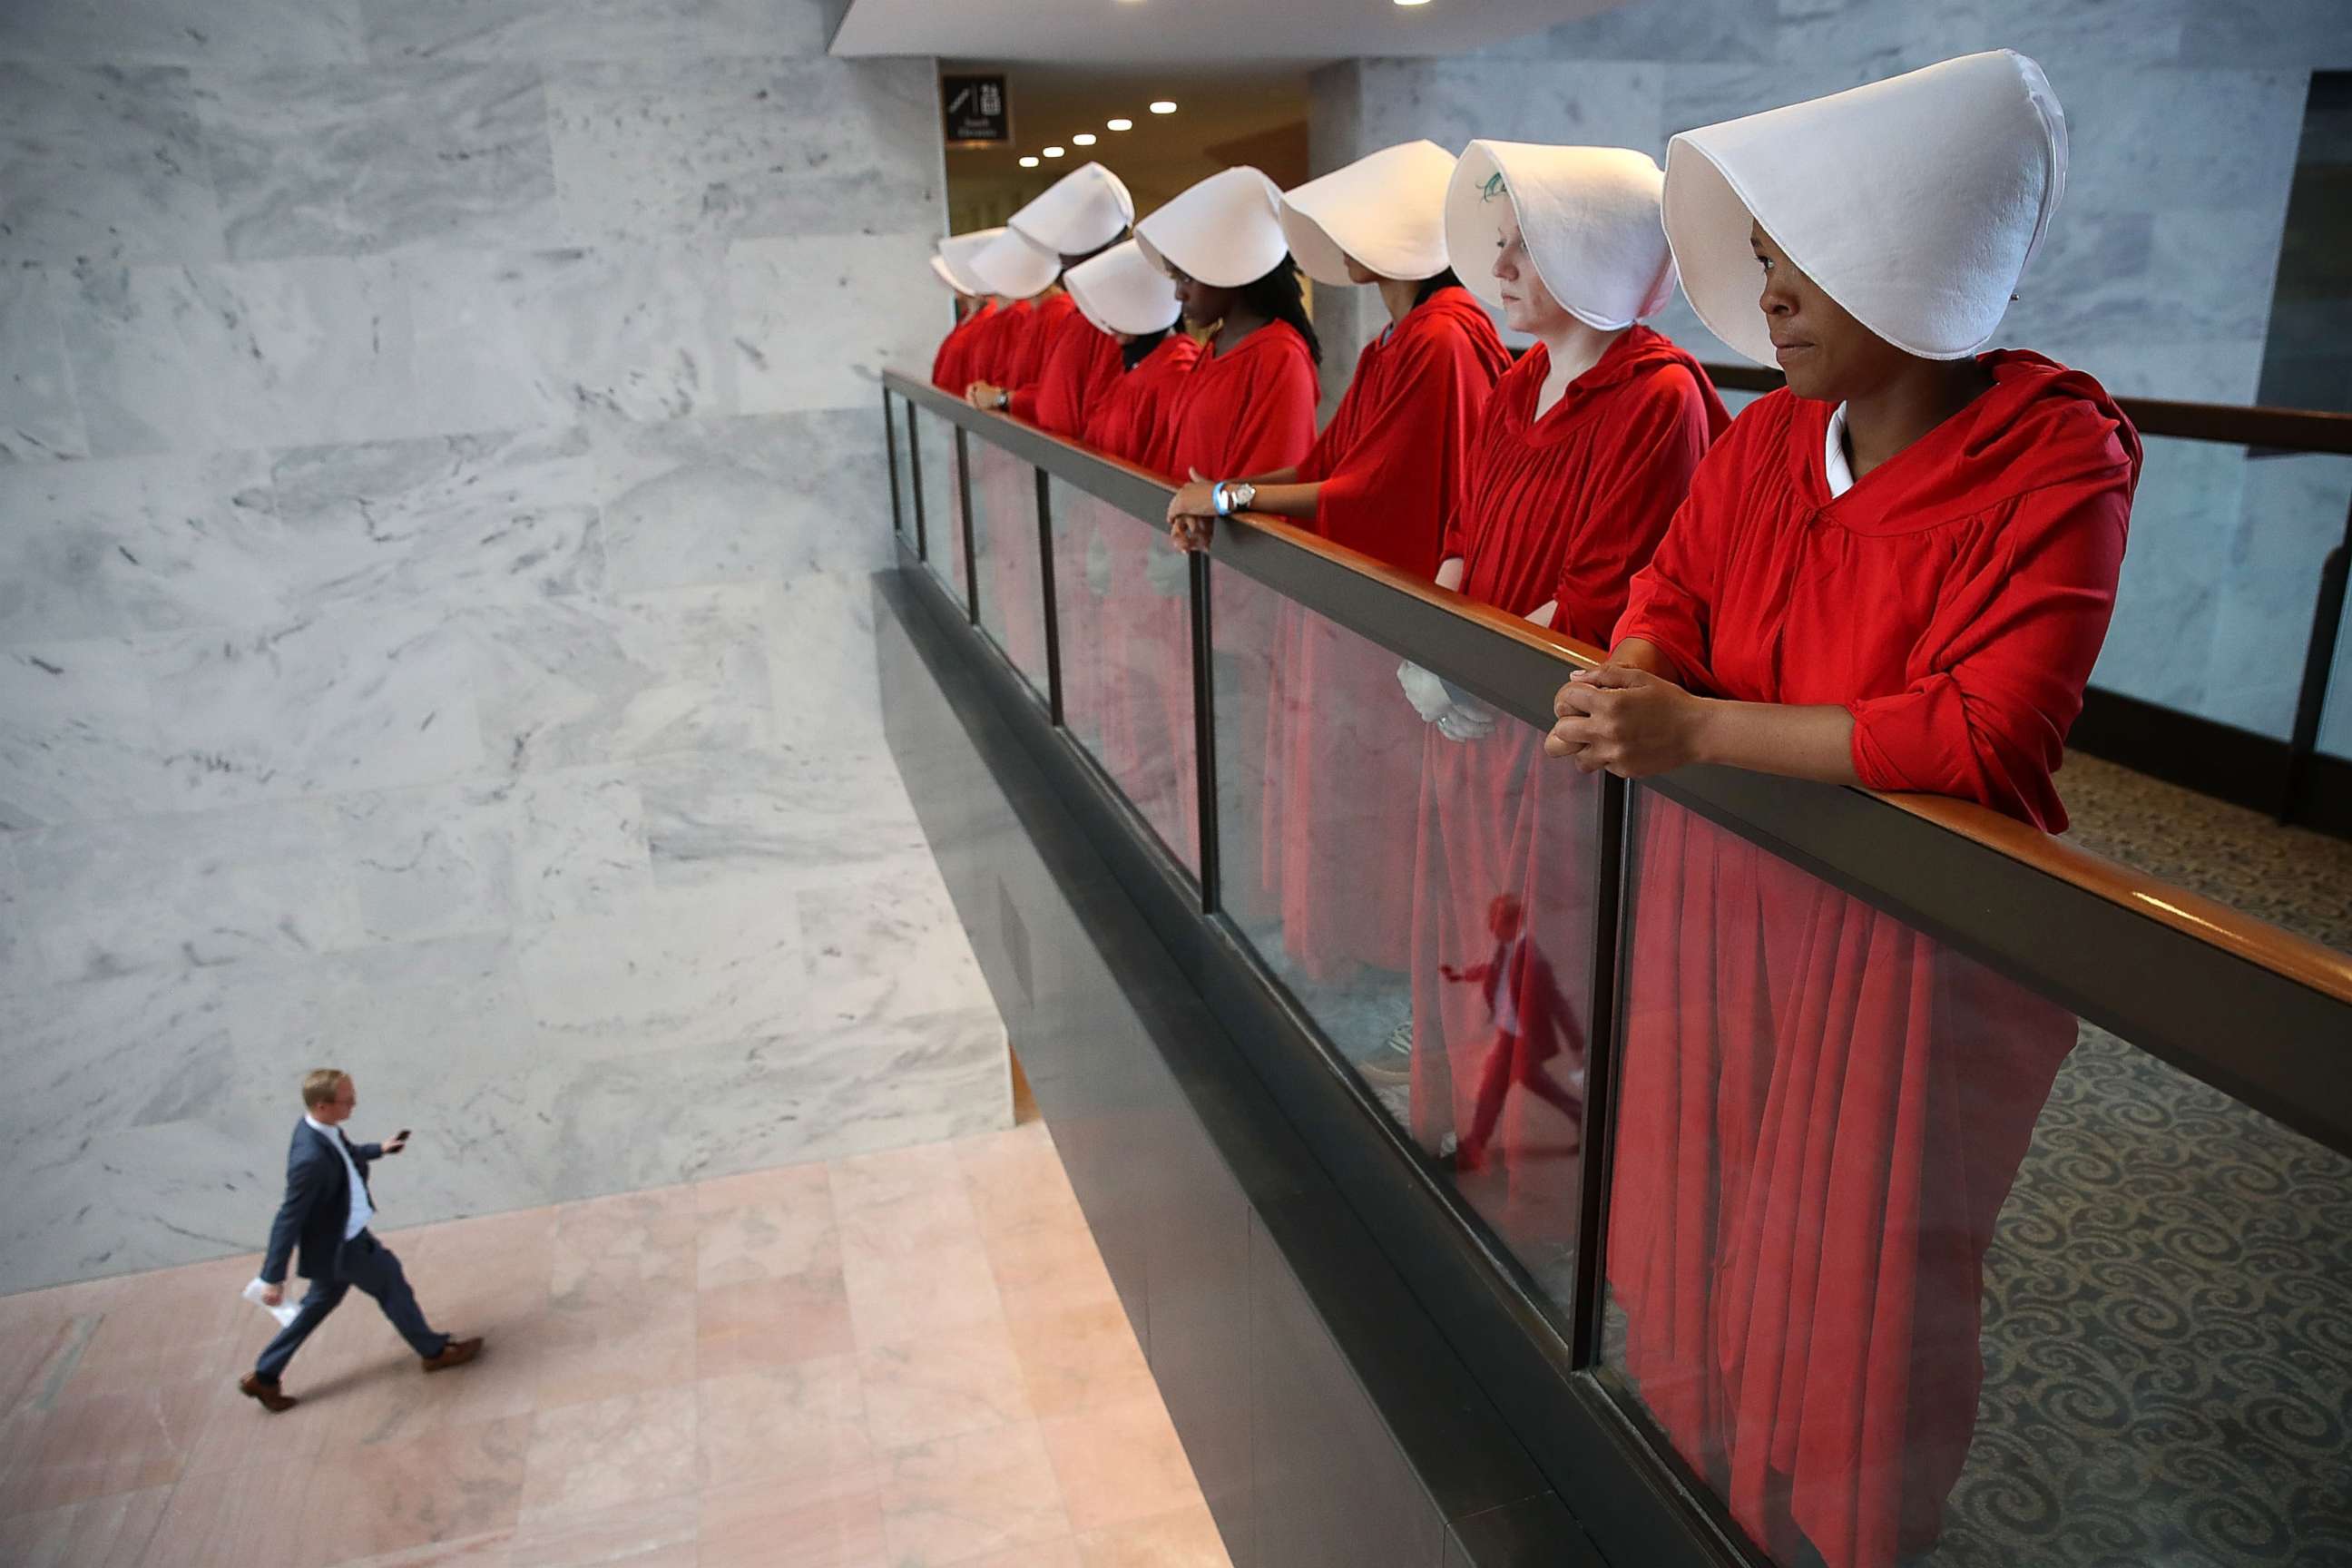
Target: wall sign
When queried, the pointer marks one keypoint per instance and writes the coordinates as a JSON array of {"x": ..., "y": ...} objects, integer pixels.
[{"x": 978, "y": 113}]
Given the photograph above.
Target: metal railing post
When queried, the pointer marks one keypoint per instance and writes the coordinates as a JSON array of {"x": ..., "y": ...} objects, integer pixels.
[
  {"x": 2318, "y": 664},
  {"x": 1051, "y": 607},
  {"x": 971, "y": 554},
  {"x": 1612, "y": 945},
  {"x": 890, "y": 462},
  {"x": 915, "y": 483},
  {"x": 1205, "y": 732}
]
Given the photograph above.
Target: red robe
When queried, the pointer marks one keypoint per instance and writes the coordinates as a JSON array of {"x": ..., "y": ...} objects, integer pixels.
[
  {"x": 1562, "y": 510},
  {"x": 1079, "y": 365},
  {"x": 1003, "y": 488},
  {"x": 990, "y": 349},
  {"x": 1343, "y": 746},
  {"x": 1245, "y": 411},
  {"x": 1822, "y": 1108},
  {"x": 949, "y": 365},
  {"x": 1124, "y": 709}
]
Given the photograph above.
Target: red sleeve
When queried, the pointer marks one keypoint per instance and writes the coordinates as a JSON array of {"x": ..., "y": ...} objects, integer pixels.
[
  {"x": 943, "y": 362},
  {"x": 1054, "y": 365},
  {"x": 1667, "y": 603},
  {"x": 1387, "y": 493},
  {"x": 1316, "y": 467},
  {"x": 2006, "y": 658},
  {"x": 1647, "y": 463}
]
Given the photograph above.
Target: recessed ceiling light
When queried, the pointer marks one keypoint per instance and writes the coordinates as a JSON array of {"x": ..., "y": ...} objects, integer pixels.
[
  {"x": 1029, "y": 162},
  {"x": 1413, "y": 2},
  {"x": 1164, "y": 106},
  {"x": 1055, "y": 152},
  {"x": 1083, "y": 138},
  {"x": 1122, "y": 124}
]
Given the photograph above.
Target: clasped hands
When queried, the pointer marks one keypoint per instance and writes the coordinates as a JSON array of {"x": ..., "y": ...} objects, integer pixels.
[
  {"x": 1192, "y": 513},
  {"x": 1629, "y": 722}
]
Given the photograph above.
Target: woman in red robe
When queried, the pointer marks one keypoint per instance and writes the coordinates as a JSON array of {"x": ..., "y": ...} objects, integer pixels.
[
  {"x": 1247, "y": 406},
  {"x": 1342, "y": 755},
  {"x": 1587, "y": 448},
  {"x": 1113, "y": 647},
  {"x": 1081, "y": 215},
  {"x": 1895, "y": 573},
  {"x": 974, "y": 309}
]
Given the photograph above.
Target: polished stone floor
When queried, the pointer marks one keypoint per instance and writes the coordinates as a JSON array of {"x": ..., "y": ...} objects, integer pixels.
[{"x": 912, "y": 1358}]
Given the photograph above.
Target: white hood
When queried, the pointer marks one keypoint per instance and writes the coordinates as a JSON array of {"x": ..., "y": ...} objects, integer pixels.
[
  {"x": 1121, "y": 292},
  {"x": 1083, "y": 211},
  {"x": 1225, "y": 232},
  {"x": 953, "y": 261},
  {"x": 1589, "y": 216},
  {"x": 1014, "y": 268},
  {"x": 1387, "y": 210},
  {"x": 1914, "y": 203}
]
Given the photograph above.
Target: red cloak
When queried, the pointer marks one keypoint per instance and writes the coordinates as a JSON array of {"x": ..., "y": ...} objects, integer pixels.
[
  {"x": 1822, "y": 1108},
  {"x": 1560, "y": 510},
  {"x": 1079, "y": 366},
  {"x": 948, "y": 366},
  {"x": 1127, "y": 712},
  {"x": 1245, "y": 411},
  {"x": 1343, "y": 745}
]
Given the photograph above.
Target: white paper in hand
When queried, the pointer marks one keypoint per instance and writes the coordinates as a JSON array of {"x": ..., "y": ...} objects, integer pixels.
[{"x": 285, "y": 1312}]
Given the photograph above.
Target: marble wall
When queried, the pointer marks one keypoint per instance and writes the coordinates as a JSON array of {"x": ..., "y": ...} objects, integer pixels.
[
  {"x": 2184, "y": 117},
  {"x": 440, "y": 461}
]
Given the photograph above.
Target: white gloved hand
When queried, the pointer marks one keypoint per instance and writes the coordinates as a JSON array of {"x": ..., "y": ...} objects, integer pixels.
[
  {"x": 1098, "y": 564},
  {"x": 1168, "y": 570},
  {"x": 1467, "y": 719},
  {"x": 1425, "y": 691}
]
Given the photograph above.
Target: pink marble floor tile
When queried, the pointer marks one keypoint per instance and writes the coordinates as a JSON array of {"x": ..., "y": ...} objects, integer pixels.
[
  {"x": 443, "y": 1487},
  {"x": 238, "y": 1434},
  {"x": 630, "y": 1246},
  {"x": 961, "y": 1380},
  {"x": 488, "y": 1550},
  {"x": 913, "y": 1228},
  {"x": 176, "y": 1322},
  {"x": 924, "y": 1170},
  {"x": 1047, "y": 1267},
  {"x": 1080, "y": 1358},
  {"x": 1063, "y": 1553},
  {"x": 833, "y": 1520},
  {"x": 113, "y": 1442},
  {"x": 894, "y": 1298},
  {"x": 38, "y": 1358},
  {"x": 614, "y": 1347},
  {"x": 232, "y": 1518},
  {"x": 785, "y": 1423},
  {"x": 57, "y": 1304},
  {"x": 1119, "y": 1463},
  {"x": 611, "y": 1453},
  {"x": 771, "y": 1322},
  {"x": 789, "y": 1229},
  {"x": 1016, "y": 1179},
  {"x": 780, "y": 1187},
  {"x": 1187, "y": 1538},
  {"x": 633, "y": 1535},
  {"x": 959, "y": 1498},
  {"x": 98, "y": 1532}
]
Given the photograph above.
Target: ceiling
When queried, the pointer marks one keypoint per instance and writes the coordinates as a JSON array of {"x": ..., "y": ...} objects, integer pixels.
[
  {"x": 1219, "y": 120},
  {"x": 1191, "y": 33}
]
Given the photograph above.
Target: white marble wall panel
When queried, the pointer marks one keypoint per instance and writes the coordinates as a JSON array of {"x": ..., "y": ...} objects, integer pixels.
[
  {"x": 737, "y": 148},
  {"x": 504, "y": 341},
  {"x": 39, "y": 415},
  {"x": 211, "y": 357},
  {"x": 592, "y": 29},
  {"x": 624, "y": 1122},
  {"x": 2159, "y": 644},
  {"x": 466, "y": 520},
  {"x": 223, "y": 32},
  {"x": 139, "y": 544},
  {"x": 792, "y": 817},
  {"x": 77, "y": 735},
  {"x": 1611, "y": 103},
  {"x": 17, "y": 956},
  {"x": 316, "y": 706},
  {"x": 2292, "y": 515},
  {"x": 102, "y": 164},
  {"x": 821, "y": 664},
  {"x": 2304, "y": 34},
  {"x": 578, "y": 845},
  {"x": 886, "y": 944},
  {"x": 150, "y": 892},
  {"x": 365, "y": 160},
  {"x": 572, "y": 681},
  {"x": 766, "y": 497},
  {"x": 817, "y": 319},
  {"x": 676, "y": 969},
  {"x": 1692, "y": 30}
]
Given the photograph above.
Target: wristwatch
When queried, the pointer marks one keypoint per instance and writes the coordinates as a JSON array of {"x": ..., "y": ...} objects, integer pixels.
[
  {"x": 1230, "y": 496},
  {"x": 1003, "y": 399}
]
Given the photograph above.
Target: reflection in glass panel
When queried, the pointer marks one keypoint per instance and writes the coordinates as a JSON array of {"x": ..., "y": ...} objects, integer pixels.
[
  {"x": 1005, "y": 556},
  {"x": 942, "y": 504},
  {"x": 1406, "y": 862},
  {"x": 1124, "y": 604},
  {"x": 1911, "y": 1266}
]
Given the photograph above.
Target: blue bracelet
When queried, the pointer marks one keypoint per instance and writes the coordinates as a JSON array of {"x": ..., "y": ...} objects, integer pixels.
[{"x": 1217, "y": 499}]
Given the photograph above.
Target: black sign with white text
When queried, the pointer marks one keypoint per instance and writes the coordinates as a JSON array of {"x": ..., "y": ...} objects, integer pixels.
[{"x": 977, "y": 109}]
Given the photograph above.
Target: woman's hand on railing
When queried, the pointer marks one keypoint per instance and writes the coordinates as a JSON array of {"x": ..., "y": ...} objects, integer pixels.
[
  {"x": 1627, "y": 721},
  {"x": 1193, "y": 513},
  {"x": 986, "y": 397}
]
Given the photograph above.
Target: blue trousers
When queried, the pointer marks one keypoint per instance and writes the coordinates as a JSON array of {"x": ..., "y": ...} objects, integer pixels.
[{"x": 369, "y": 1263}]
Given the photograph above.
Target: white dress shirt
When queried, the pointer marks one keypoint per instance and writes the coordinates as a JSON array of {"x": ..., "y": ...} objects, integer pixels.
[
  {"x": 362, "y": 1211},
  {"x": 1834, "y": 466}
]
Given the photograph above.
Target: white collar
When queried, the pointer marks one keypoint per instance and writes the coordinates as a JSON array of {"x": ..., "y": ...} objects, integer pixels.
[
  {"x": 1835, "y": 467},
  {"x": 327, "y": 1132}
]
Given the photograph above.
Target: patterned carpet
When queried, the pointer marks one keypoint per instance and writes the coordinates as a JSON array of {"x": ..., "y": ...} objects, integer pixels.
[{"x": 2168, "y": 1310}]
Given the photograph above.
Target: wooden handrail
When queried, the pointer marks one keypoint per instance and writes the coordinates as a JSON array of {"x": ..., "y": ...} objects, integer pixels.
[{"x": 2217, "y": 925}]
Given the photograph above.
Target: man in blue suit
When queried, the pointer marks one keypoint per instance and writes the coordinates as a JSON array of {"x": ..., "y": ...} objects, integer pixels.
[{"x": 325, "y": 1215}]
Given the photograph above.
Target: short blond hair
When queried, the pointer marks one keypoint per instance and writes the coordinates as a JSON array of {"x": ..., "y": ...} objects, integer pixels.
[{"x": 319, "y": 1088}]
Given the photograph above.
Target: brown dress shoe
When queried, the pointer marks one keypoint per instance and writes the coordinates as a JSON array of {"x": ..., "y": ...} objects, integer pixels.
[
  {"x": 252, "y": 1387},
  {"x": 457, "y": 1352}
]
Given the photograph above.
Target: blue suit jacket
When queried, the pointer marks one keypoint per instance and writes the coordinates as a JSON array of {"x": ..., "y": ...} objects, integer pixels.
[{"x": 317, "y": 1205}]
